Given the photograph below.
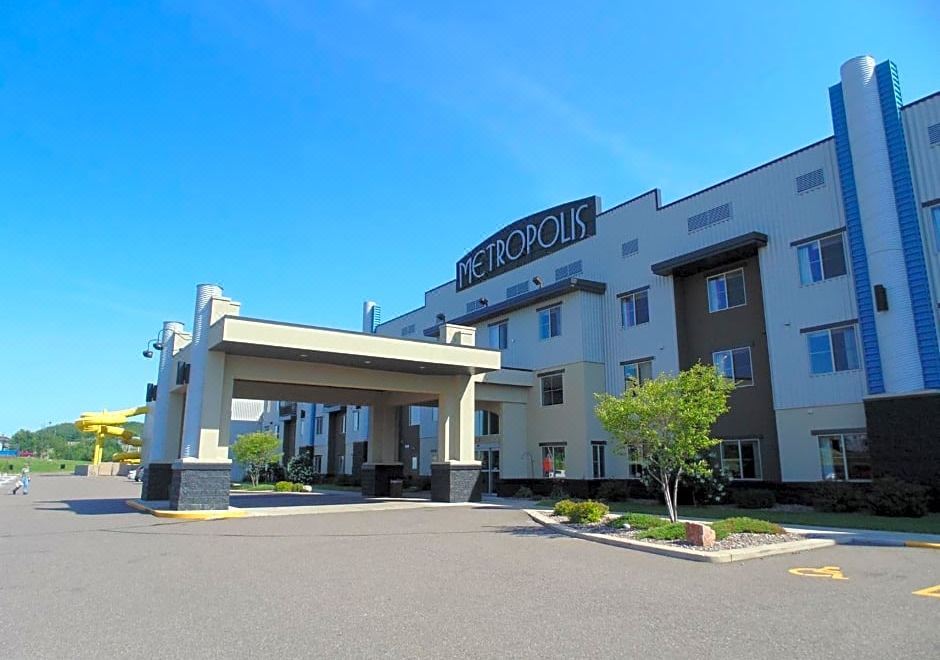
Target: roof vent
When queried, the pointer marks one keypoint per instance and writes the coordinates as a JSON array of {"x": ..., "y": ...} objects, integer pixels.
[
  {"x": 517, "y": 289},
  {"x": 572, "y": 269},
  {"x": 408, "y": 330},
  {"x": 630, "y": 247}
]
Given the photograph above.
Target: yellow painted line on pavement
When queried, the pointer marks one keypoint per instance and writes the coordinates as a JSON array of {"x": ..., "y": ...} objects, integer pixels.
[
  {"x": 932, "y": 592},
  {"x": 831, "y": 572},
  {"x": 922, "y": 544}
]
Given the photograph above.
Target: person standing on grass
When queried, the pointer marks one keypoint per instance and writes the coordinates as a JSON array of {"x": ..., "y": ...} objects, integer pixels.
[{"x": 22, "y": 482}]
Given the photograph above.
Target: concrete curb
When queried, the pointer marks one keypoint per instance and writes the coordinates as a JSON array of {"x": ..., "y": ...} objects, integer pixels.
[
  {"x": 922, "y": 544},
  {"x": 718, "y": 557},
  {"x": 187, "y": 515}
]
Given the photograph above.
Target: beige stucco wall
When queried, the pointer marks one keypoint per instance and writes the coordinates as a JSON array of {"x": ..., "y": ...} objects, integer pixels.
[{"x": 799, "y": 448}]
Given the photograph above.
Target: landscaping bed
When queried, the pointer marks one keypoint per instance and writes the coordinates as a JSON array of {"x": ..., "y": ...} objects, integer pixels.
[{"x": 734, "y": 541}]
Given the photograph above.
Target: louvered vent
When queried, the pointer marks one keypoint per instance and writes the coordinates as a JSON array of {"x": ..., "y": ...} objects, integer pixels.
[
  {"x": 630, "y": 247},
  {"x": 474, "y": 305},
  {"x": 572, "y": 269},
  {"x": 810, "y": 180},
  {"x": 517, "y": 289},
  {"x": 933, "y": 133},
  {"x": 710, "y": 217},
  {"x": 408, "y": 330}
]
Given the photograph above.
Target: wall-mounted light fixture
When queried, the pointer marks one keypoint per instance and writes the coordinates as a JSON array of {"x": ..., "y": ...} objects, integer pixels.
[
  {"x": 484, "y": 302},
  {"x": 537, "y": 281},
  {"x": 440, "y": 317}
]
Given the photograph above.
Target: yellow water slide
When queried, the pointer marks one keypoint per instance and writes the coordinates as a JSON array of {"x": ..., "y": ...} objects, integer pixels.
[{"x": 106, "y": 424}]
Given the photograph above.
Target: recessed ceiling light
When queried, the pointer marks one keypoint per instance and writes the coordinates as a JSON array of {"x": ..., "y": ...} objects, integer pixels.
[
  {"x": 367, "y": 361},
  {"x": 303, "y": 355}
]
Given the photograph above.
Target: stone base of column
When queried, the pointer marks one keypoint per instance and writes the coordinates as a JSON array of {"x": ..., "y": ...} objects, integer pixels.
[
  {"x": 156, "y": 482},
  {"x": 456, "y": 482},
  {"x": 376, "y": 478},
  {"x": 200, "y": 486}
]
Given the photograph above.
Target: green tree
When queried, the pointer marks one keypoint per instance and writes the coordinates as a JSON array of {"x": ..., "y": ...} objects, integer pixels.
[
  {"x": 668, "y": 421},
  {"x": 255, "y": 451}
]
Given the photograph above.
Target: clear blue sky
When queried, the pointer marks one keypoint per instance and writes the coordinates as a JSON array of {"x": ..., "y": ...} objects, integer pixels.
[{"x": 335, "y": 151}]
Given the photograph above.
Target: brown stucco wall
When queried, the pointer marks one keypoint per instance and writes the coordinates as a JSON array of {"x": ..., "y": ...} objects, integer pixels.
[{"x": 700, "y": 333}]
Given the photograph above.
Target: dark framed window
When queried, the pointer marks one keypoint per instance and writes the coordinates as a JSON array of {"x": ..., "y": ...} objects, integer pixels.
[
  {"x": 499, "y": 335},
  {"x": 726, "y": 290},
  {"x": 821, "y": 259},
  {"x": 637, "y": 373},
  {"x": 832, "y": 350},
  {"x": 553, "y": 461},
  {"x": 845, "y": 457},
  {"x": 553, "y": 391},
  {"x": 599, "y": 460},
  {"x": 550, "y": 322},
  {"x": 635, "y": 309},
  {"x": 741, "y": 458},
  {"x": 735, "y": 363}
]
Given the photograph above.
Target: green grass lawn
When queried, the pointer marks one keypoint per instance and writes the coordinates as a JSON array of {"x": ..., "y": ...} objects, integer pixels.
[
  {"x": 249, "y": 487},
  {"x": 929, "y": 524},
  {"x": 37, "y": 465}
]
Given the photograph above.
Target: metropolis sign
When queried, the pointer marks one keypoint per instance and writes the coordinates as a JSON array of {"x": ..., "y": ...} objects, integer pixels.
[{"x": 528, "y": 239}]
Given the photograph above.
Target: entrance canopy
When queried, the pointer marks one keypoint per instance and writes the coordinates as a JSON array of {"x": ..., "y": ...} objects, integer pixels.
[{"x": 229, "y": 356}]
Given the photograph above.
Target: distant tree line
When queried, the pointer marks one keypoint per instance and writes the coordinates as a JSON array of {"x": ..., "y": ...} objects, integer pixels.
[{"x": 65, "y": 442}]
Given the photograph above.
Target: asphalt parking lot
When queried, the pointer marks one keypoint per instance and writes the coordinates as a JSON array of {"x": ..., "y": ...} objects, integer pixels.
[{"x": 84, "y": 576}]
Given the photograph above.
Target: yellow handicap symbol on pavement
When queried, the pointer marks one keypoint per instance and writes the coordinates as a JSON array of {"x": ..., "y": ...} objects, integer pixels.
[
  {"x": 831, "y": 572},
  {"x": 933, "y": 592}
]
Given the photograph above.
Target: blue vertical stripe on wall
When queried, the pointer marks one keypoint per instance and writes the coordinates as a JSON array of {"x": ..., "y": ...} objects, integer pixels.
[
  {"x": 889, "y": 92},
  {"x": 853, "y": 227}
]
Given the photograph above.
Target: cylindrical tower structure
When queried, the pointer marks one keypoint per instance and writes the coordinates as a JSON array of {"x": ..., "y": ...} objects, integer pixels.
[
  {"x": 895, "y": 327},
  {"x": 198, "y": 354},
  {"x": 158, "y": 432}
]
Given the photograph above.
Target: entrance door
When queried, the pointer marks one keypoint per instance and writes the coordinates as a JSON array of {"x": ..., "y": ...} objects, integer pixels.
[{"x": 489, "y": 468}]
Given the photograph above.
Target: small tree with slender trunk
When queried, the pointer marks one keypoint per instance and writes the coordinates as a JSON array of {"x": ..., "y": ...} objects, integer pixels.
[
  {"x": 255, "y": 451},
  {"x": 668, "y": 420}
]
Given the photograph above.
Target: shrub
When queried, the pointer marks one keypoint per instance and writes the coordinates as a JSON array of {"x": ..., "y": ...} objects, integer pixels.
[
  {"x": 837, "y": 497},
  {"x": 710, "y": 487},
  {"x": 296, "y": 487},
  {"x": 744, "y": 526},
  {"x": 668, "y": 532},
  {"x": 613, "y": 491},
  {"x": 754, "y": 498},
  {"x": 524, "y": 493},
  {"x": 588, "y": 511},
  {"x": 619, "y": 522},
  {"x": 558, "y": 493},
  {"x": 896, "y": 498},
  {"x": 283, "y": 487},
  {"x": 300, "y": 470},
  {"x": 565, "y": 508},
  {"x": 642, "y": 521}
]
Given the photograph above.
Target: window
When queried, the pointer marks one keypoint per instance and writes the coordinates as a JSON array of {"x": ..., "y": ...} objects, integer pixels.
[
  {"x": 355, "y": 419},
  {"x": 434, "y": 413},
  {"x": 726, "y": 291},
  {"x": 833, "y": 350},
  {"x": 599, "y": 459},
  {"x": 408, "y": 330},
  {"x": 499, "y": 335},
  {"x": 821, "y": 260},
  {"x": 844, "y": 457},
  {"x": 318, "y": 428},
  {"x": 552, "y": 390},
  {"x": 414, "y": 415},
  {"x": 635, "y": 463},
  {"x": 550, "y": 322},
  {"x": 635, "y": 309},
  {"x": 741, "y": 458},
  {"x": 318, "y": 463},
  {"x": 487, "y": 423},
  {"x": 735, "y": 363},
  {"x": 935, "y": 212},
  {"x": 342, "y": 425},
  {"x": 637, "y": 373},
  {"x": 553, "y": 461}
]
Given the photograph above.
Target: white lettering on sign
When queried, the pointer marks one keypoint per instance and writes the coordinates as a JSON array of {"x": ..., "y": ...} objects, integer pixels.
[{"x": 528, "y": 239}]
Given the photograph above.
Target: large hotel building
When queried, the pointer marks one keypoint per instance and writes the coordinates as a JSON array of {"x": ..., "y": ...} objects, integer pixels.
[{"x": 812, "y": 280}]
